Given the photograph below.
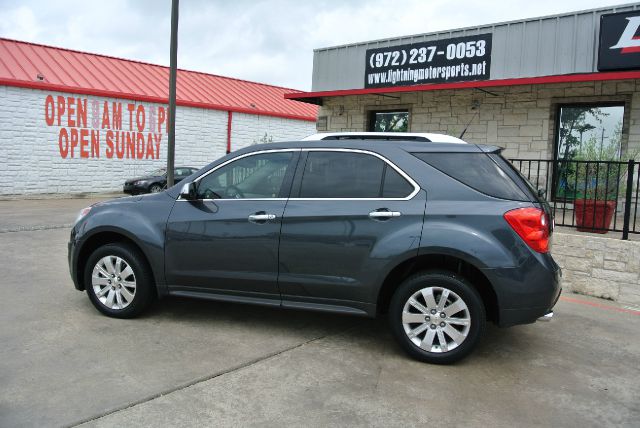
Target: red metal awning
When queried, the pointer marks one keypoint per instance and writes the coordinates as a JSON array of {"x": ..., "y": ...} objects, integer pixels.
[{"x": 316, "y": 97}]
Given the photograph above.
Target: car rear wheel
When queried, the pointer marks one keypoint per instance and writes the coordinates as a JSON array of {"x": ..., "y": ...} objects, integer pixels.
[
  {"x": 118, "y": 281},
  {"x": 437, "y": 317},
  {"x": 155, "y": 188}
]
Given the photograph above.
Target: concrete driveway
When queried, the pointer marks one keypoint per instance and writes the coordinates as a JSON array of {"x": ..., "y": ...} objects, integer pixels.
[{"x": 193, "y": 363}]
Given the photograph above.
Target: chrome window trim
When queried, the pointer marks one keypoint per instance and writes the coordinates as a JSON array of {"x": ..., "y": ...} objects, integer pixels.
[{"x": 416, "y": 187}]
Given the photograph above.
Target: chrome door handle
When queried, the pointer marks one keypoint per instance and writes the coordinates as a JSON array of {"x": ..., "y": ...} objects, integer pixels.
[
  {"x": 384, "y": 214},
  {"x": 261, "y": 217}
]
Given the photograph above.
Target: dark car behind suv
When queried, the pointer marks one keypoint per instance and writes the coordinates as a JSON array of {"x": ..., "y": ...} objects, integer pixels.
[
  {"x": 442, "y": 237},
  {"x": 155, "y": 181}
]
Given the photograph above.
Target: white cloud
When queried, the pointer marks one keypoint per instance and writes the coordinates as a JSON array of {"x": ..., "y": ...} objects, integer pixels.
[
  {"x": 266, "y": 41},
  {"x": 19, "y": 23}
]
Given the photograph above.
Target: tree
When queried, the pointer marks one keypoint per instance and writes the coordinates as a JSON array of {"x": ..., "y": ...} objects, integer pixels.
[
  {"x": 573, "y": 122},
  {"x": 266, "y": 138},
  {"x": 392, "y": 122}
]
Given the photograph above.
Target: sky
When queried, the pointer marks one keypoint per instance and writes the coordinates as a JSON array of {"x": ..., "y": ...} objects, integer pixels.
[{"x": 264, "y": 41}]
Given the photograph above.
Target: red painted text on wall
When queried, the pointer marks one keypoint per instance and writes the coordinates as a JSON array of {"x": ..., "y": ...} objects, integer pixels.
[{"x": 111, "y": 129}]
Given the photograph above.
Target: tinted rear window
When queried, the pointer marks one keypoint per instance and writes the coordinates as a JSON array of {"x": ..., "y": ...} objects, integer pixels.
[
  {"x": 341, "y": 175},
  {"x": 476, "y": 170}
]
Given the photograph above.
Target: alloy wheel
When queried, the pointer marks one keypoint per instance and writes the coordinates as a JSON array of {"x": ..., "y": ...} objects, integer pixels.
[
  {"x": 113, "y": 282},
  {"x": 436, "y": 319}
]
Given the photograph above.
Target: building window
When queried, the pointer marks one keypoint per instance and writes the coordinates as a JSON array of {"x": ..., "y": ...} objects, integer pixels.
[
  {"x": 389, "y": 121},
  {"x": 585, "y": 132},
  {"x": 589, "y": 132}
]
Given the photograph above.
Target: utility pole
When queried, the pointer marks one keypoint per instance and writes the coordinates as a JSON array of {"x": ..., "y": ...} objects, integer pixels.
[{"x": 173, "y": 64}]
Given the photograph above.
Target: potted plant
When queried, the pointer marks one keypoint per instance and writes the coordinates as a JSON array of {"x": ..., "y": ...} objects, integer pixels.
[{"x": 596, "y": 195}]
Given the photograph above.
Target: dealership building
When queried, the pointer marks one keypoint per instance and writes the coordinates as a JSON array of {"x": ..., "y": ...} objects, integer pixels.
[
  {"x": 75, "y": 122},
  {"x": 508, "y": 84}
]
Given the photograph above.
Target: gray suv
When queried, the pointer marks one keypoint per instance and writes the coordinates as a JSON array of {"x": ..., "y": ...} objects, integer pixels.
[{"x": 441, "y": 237}]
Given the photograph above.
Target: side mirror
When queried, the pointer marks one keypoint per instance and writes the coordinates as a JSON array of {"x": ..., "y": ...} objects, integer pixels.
[
  {"x": 542, "y": 193},
  {"x": 188, "y": 191}
]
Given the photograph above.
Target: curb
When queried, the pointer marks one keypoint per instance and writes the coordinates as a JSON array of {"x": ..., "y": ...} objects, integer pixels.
[
  {"x": 47, "y": 196},
  {"x": 38, "y": 227}
]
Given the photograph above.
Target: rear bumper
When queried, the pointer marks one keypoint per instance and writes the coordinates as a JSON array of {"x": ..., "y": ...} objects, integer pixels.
[
  {"x": 511, "y": 317},
  {"x": 527, "y": 292}
]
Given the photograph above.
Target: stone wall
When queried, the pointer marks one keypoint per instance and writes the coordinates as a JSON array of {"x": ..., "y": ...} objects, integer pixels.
[
  {"x": 599, "y": 266},
  {"x": 519, "y": 118},
  {"x": 34, "y": 161}
]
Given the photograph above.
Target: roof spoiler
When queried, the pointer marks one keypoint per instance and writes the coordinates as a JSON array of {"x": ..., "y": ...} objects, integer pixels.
[{"x": 490, "y": 149}]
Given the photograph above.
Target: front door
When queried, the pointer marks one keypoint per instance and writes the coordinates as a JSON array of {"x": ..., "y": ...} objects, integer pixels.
[{"x": 226, "y": 241}]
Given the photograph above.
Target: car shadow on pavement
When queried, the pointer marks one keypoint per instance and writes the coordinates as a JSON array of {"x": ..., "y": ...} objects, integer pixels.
[{"x": 497, "y": 343}]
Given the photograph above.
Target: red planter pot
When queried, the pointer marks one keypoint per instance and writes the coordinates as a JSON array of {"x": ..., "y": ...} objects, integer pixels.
[{"x": 594, "y": 215}]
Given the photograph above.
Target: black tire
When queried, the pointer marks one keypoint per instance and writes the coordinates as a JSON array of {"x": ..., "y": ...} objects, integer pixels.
[
  {"x": 144, "y": 284},
  {"x": 445, "y": 280},
  {"x": 155, "y": 188}
]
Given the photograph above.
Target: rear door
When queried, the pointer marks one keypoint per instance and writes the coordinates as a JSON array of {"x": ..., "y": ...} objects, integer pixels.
[{"x": 351, "y": 214}]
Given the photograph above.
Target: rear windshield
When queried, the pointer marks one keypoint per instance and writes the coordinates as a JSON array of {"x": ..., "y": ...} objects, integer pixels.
[
  {"x": 476, "y": 170},
  {"x": 507, "y": 164}
]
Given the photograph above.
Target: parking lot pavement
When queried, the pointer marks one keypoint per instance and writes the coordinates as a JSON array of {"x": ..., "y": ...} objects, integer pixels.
[
  {"x": 32, "y": 214},
  {"x": 194, "y": 363}
]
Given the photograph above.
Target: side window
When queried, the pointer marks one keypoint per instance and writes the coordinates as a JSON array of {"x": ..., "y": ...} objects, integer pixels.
[
  {"x": 395, "y": 185},
  {"x": 350, "y": 175},
  {"x": 255, "y": 176}
]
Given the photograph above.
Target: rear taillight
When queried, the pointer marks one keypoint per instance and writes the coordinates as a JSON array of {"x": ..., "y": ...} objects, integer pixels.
[{"x": 532, "y": 225}]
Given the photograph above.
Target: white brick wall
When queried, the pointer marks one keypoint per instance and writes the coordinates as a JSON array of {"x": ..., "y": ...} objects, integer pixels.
[
  {"x": 32, "y": 161},
  {"x": 248, "y": 129}
]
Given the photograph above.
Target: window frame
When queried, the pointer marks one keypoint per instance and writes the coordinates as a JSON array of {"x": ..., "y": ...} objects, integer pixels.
[
  {"x": 586, "y": 104},
  {"x": 300, "y": 173},
  {"x": 293, "y": 178},
  {"x": 558, "y": 106}
]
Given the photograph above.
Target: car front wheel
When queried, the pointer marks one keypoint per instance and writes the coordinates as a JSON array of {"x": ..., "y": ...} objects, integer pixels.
[
  {"x": 118, "y": 281},
  {"x": 155, "y": 188},
  {"x": 437, "y": 317}
]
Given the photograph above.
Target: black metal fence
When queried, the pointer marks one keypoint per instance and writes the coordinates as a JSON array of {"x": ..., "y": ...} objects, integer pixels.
[{"x": 594, "y": 196}]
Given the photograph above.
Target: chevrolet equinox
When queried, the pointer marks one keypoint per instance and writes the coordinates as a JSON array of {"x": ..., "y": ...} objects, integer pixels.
[{"x": 441, "y": 237}]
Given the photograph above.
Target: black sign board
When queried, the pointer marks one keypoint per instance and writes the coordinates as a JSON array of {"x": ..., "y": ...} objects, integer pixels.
[
  {"x": 456, "y": 59},
  {"x": 619, "y": 41}
]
